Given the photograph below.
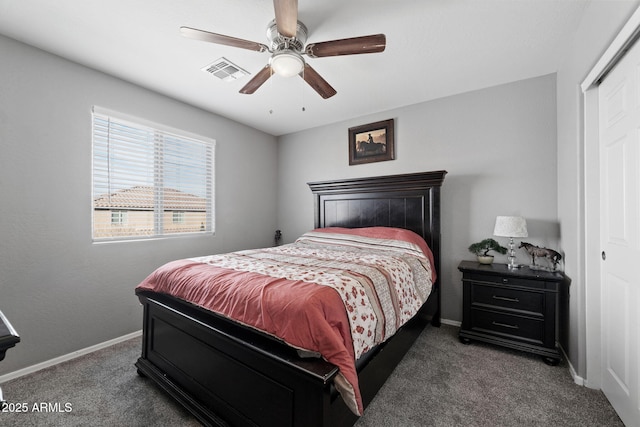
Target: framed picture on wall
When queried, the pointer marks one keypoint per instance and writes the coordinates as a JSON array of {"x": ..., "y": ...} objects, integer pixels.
[{"x": 371, "y": 143}]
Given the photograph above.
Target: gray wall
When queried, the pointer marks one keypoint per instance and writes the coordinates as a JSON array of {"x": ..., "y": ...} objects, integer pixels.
[
  {"x": 497, "y": 144},
  {"x": 61, "y": 292},
  {"x": 600, "y": 24}
]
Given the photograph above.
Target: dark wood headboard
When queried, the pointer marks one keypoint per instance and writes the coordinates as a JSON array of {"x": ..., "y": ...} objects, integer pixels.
[{"x": 410, "y": 201}]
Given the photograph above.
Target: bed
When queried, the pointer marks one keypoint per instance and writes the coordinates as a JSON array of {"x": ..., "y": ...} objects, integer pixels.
[{"x": 229, "y": 373}]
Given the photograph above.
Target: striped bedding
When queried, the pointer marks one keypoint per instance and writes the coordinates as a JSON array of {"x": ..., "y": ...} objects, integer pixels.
[{"x": 334, "y": 291}]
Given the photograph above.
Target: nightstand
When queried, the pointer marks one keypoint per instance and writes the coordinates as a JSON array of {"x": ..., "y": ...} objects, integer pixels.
[{"x": 517, "y": 308}]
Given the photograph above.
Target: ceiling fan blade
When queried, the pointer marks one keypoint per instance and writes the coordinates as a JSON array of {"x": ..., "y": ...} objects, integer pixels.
[
  {"x": 352, "y": 46},
  {"x": 206, "y": 36},
  {"x": 286, "y": 17},
  {"x": 316, "y": 81},
  {"x": 257, "y": 81}
]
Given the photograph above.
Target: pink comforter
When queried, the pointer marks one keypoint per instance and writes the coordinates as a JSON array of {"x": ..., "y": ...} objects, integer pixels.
[{"x": 337, "y": 292}]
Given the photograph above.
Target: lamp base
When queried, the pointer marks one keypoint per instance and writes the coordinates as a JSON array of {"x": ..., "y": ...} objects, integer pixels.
[{"x": 512, "y": 256}]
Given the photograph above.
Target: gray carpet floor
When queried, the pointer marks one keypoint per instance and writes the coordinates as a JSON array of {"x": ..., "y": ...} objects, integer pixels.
[{"x": 440, "y": 382}]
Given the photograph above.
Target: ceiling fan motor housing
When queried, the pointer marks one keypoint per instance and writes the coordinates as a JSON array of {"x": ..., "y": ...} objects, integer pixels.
[{"x": 279, "y": 42}]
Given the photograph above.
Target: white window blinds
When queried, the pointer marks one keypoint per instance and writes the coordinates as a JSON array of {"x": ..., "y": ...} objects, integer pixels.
[{"x": 149, "y": 180}]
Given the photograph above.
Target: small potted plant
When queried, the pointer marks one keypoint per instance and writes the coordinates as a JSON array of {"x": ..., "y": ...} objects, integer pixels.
[{"x": 481, "y": 250}]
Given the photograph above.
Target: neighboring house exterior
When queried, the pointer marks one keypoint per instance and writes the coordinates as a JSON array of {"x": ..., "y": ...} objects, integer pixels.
[{"x": 130, "y": 212}]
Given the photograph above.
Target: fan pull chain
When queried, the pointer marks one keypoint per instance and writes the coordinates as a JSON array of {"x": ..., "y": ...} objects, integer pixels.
[{"x": 270, "y": 85}]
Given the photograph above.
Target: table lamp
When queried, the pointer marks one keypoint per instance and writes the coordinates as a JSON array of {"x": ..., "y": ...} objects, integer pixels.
[{"x": 511, "y": 226}]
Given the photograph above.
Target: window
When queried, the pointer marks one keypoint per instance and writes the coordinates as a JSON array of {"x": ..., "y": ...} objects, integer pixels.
[
  {"x": 148, "y": 180},
  {"x": 178, "y": 217},
  {"x": 118, "y": 218}
]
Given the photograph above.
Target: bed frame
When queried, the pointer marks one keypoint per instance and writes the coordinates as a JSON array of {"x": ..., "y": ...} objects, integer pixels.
[{"x": 228, "y": 374}]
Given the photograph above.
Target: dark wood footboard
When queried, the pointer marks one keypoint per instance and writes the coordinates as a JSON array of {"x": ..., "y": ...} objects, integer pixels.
[{"x": 224, "y": 373}]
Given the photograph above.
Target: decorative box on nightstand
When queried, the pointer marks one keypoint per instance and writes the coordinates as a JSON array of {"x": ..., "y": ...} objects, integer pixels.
[{"x": 517, "y": 308}]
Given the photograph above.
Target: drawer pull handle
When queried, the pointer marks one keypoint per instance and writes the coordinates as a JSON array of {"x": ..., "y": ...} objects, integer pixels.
[
  {"x": 506, "y": 298},
  {"x": 505, "y": 325}
]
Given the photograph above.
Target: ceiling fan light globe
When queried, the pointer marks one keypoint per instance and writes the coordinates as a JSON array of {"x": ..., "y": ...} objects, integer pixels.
[{"x": 287, "y": 63}]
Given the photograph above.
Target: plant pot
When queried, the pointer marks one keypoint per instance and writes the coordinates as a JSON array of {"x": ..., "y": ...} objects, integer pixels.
[{"x": 488, "y": 259}]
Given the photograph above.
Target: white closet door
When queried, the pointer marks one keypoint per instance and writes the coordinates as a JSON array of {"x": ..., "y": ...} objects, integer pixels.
[{"x": 619, "y": 98}]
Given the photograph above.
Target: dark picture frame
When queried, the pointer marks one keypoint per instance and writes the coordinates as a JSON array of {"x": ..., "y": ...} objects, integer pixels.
[{"x": 373, "y": 142}]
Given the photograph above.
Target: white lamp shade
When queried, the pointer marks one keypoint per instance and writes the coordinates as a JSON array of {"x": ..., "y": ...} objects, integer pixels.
[
  {"x": 510, "y": 226},
  {"x": 287, "y": 63}
]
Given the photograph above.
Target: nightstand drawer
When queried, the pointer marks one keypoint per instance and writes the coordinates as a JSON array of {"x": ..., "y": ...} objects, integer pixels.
[
  {"x": 513, "y": 299},
  {"x": 507, "y": 325},
  {"x": 510, "y": 281}
]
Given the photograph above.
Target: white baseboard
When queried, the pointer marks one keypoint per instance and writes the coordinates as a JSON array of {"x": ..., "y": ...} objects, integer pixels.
[
  {"x": 451, "y": 322},
  {"x": 48, "y": 363},
  {"x": 576, "y": 378}
]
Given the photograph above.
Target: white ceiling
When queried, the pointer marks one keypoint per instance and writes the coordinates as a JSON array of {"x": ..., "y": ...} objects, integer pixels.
[{"x": 435, "y": 48}]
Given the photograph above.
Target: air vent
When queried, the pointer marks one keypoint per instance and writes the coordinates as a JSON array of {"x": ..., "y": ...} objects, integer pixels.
[{"x": 225, "y": 70}]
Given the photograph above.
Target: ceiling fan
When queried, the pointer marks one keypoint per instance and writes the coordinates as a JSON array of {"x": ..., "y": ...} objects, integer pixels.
[{"x": 287, "y": 37}]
